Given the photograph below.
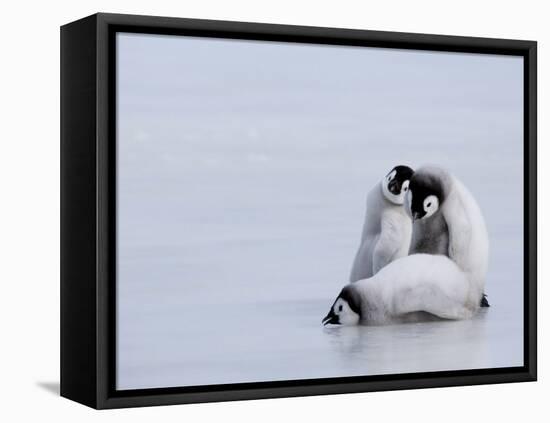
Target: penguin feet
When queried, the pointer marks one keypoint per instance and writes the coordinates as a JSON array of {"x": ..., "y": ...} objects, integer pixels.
[{"x": 484, "y": 302}]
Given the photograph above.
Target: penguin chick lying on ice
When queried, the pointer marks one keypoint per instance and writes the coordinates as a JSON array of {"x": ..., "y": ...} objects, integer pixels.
[{"x": 413, "y": 288}]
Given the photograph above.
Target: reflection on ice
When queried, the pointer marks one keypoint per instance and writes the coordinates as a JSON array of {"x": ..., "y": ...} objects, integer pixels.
[
  {"x": 424, "y": 346},
  {"x": 285, "y": 340}
]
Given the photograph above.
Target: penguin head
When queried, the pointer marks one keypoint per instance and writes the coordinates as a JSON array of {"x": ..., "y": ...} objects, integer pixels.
[
  {"x": 425, "y": 196},
  {"x": 346, "y": 309},
  {"x": 396, "y": 184}
]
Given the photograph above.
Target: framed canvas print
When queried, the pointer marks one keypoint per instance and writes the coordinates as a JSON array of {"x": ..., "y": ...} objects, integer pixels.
[{"x": 256, "y": 211}]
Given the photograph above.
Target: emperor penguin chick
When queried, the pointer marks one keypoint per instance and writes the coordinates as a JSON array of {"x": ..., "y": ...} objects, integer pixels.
[
  {"x": 415, "y": 288},
  {"x": 387, "y": 229},
  {"x": 448, "y": 221}
]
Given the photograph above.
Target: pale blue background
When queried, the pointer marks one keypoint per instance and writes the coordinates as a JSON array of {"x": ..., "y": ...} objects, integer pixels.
[{"x": 242, "y": 174}]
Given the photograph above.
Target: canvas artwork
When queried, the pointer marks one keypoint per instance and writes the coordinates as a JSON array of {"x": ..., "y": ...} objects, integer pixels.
[{"x": 290, "y": 211}]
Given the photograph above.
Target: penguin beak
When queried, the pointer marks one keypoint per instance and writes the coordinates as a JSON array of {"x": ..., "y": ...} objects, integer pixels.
[
  {"x": 416, "y": 216},
  {"x": 331, "y": 318}
]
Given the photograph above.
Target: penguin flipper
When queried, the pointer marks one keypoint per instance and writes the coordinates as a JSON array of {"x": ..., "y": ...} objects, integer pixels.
[
  {"x": 362, "y": 264},
  {"x": 387, "y": 245},
  {"x": 484, "y": 302},
  {"x": 460, "y": 232}
]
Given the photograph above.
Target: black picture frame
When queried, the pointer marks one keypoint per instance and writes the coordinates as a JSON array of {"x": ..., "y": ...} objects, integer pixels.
[{"x": 88, "y": 204}]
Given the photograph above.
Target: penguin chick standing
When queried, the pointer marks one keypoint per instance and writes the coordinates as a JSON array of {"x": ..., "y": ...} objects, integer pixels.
[
  {"x": 427, "y": 192},
  {"x": 387, "y": 229},
  {"x": 448, "y": 221}
]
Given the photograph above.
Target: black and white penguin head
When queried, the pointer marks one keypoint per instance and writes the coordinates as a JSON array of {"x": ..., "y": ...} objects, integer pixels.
[
  {"x": 426, "y": 194},
  {"x": 396, "y": 184},
  {"x": 346, "y": 309}
]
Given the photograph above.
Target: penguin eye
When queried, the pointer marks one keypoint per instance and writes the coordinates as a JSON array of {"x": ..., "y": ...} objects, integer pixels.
[
  {"x": 431, "y": 204},
  {"x": 340, "y": 308},
  {"x": 406, "y": 188}
]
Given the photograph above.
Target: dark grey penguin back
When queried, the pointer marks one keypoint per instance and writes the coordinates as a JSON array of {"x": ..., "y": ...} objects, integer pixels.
[{"x": 430, "y": 236}]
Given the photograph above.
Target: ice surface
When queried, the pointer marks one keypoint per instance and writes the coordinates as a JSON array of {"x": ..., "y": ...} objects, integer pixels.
[{"x": 243, "y": 169}]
